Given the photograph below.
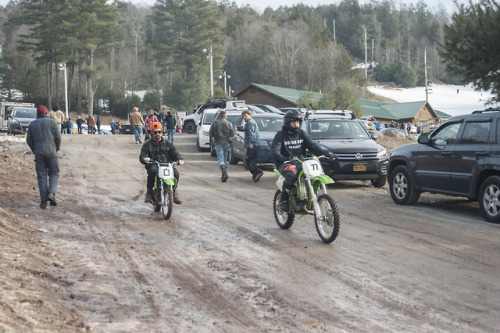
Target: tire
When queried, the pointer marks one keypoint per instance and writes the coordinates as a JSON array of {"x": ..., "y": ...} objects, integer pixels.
[
  {"x": 380, "y": 182},
  {"x": 168, "y": 202},
  {"x": 232, "y": 159},
  {"x": 190, "y": 127},
  {"x": 402, "y": 190},
  {"x": 489, "y": 196},
  {"x": 156, "y": 200},
  {"x": 283, "y": 219},
  {"x": 328, "y": 224},
  {"x": 212, "y": 150}
]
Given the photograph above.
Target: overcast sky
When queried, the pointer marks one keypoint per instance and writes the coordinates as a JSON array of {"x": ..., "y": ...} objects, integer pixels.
[{"x": 260, "y": 5}]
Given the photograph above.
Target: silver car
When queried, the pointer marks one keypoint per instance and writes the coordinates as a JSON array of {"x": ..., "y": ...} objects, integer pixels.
[{"x": 20, "y": 119}]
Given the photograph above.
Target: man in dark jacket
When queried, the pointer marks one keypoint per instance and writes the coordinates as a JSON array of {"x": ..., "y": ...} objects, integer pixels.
[
  {"x": 44, "y": 140},
  {"x": 221, "y": 130},
  {"x": 170, "y": 124},
  {"x": 290, "y": 142},
  {"x": 160, "y": 150}
]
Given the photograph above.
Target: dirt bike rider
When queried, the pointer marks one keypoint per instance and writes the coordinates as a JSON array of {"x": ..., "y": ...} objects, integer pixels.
[
  {"x": 162, "y": 151},
  {"x": 290, "y": 142}
]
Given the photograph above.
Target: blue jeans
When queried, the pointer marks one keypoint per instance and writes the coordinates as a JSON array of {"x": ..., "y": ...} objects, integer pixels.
[
  {"x": 138, "y": 133},
  {"x": 222, "y": 154},
  {"x": 170, "y": 134}
]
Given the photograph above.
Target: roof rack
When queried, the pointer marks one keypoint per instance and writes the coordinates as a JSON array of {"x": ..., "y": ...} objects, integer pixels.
[{"x": 496, "y": 109}]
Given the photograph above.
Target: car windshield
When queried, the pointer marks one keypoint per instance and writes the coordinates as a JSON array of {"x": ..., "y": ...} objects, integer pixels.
[
  {"x": 24, "y": 113},
  {"x": 207, "y": 120},
  {"x": 271, "y": 124},
  {"x": 335, "y": 129}
]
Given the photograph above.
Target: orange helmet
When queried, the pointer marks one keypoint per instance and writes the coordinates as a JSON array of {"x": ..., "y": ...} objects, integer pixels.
[{"x": 155, "y": 125}]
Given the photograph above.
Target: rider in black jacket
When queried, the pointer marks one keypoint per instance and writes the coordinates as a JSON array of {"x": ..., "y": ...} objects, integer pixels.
[{"x": 291, "y": 142}]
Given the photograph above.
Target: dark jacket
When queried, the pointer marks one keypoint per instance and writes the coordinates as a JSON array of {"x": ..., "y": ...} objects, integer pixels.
[
  {"x": 221, "y": 130},
  {"x": 286, "y": 145},
  {"x": 170, "y": 120},
  {"x": 164, "y": 152},
  {"x": 44, "y": 136}
]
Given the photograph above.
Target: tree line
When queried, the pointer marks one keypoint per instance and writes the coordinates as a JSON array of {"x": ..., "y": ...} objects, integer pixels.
[{"x": 113, "y": 49}]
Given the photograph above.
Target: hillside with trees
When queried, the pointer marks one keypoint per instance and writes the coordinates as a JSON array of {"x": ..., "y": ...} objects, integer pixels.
[{"x": 114, "y": 49}]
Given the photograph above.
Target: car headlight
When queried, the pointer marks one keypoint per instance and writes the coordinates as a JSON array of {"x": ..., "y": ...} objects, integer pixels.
[
  {"x": 382, "y": 155},
  {"x": 15, "y": 121}
]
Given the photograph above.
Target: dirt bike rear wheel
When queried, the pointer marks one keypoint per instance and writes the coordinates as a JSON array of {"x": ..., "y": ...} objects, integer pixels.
[
  {"x": 283, "y": 219},
  {"x": 328, "y": 224},
  {"x": 168, "y": 202}
]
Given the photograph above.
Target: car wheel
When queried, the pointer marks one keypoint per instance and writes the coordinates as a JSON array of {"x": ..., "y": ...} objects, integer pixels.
[
  {"x": 190, "y": 127},
  {"x": 401, "y": 186},
  {"x": 489, "y": 199},
  {"x": 232, "y": 159},
  {"x": 379, "y": 182},
  {"x": 212, "y": 150}
]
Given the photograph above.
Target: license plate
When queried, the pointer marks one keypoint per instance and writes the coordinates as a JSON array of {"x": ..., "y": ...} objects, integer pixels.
[{"x": 359, "y": 167}]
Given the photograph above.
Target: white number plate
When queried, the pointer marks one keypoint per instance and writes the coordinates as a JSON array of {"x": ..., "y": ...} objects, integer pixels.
[
  {"x": 166, "y": 172},
  {"x": 312, "y": 168}
]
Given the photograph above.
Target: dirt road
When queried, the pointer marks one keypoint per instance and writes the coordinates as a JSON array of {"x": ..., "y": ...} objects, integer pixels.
[{"x": 102, "y": 261}]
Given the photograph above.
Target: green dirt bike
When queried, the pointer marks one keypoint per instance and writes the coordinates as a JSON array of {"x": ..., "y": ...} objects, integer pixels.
[
  {"x": 163, "y": 190},
  {"x": 304, "y": 200}
]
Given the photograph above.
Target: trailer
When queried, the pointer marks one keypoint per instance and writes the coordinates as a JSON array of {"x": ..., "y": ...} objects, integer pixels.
[{"x": 6, "y": 110}]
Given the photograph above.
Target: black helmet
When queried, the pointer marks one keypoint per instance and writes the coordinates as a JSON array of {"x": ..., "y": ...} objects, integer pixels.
[{"x": 292, "y": 115}]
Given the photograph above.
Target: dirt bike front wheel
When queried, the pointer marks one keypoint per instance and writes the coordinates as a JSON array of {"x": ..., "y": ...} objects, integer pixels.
[
  {"x": 328, "y": 223},
  {"x": 167, "y": 203},
  {"x": 283, "y": 219}
]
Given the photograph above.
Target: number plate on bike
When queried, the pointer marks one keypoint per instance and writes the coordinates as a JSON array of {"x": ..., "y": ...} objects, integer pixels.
[
  {"x": 166, "y": 172},
  {"x": 312, "y": 168},
  {"x": 359, "y": 167}
]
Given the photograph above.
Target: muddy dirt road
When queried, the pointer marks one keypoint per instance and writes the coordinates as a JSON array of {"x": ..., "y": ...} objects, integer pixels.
[{"x": 102, "y": 261}]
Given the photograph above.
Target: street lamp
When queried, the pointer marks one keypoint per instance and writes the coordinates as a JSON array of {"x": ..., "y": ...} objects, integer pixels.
[
  {"x": 211, "y": 57},
  {"x": 62, "y": 67},
  {"x": 225, "y": 76}
]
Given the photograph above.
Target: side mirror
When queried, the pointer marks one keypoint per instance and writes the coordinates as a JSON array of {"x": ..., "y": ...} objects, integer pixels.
[
  {"x": 374, "y": 136},
  {"x": 423, "y": 139},
  {"x": 240, "y": 128}
]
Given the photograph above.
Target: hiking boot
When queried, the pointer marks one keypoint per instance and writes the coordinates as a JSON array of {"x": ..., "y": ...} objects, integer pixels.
[
  {"x": 256, "y": 177},
  {"x": 284, "y": 205},
  {"x": 52, "y": 199},
  {"x": 224, "y": 177},
  {"x": 43, "y": 204},
  {"x": 149, "y": 195},
  {"x": 177, "y": 199}
]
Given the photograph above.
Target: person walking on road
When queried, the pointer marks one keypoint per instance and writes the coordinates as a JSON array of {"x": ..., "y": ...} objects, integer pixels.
[
  {"x": 79, "y": 123},
  {"x": 137, "y": 122},
  {"x": 221, "y": 131},
  {"x": 252, "y": 142},
  {"x": 170, "y": 124},
  {"x": 44, "y": 140}
]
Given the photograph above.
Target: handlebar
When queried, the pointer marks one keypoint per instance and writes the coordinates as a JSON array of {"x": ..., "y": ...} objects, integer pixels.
[{"x": 162, "y": 163}]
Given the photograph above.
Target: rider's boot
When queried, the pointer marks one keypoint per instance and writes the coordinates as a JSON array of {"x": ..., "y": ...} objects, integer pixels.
[
  {"x": 224, "y": 177},
  {"x": 149, "y": 195},
  {"x": 177, "y": 199},
  {"x": 285, "y": 197}
]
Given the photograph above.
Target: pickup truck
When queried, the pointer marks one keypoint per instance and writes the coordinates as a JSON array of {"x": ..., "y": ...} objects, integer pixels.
[{"x": 191, "y": 122}]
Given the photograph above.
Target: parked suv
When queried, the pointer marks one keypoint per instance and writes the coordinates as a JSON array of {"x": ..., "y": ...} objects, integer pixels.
[
  {"x": 460, "y": 158},
  {"x": 359, "y": 157},
  {"x": 20, "y": 119},
  {"x": 190, "y": 122}
]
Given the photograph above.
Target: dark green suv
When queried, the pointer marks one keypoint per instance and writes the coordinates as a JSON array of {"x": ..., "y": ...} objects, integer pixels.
[{"x": 460, "y": 158}]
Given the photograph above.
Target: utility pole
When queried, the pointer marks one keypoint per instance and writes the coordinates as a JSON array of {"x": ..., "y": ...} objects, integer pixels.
[
  {"x": 426, "y": 81},
  {"x": 366, "y": 55},
  {"x": 334, "y": 37}
]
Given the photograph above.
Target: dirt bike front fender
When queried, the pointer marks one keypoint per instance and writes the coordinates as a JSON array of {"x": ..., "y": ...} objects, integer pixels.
[
  {"x": 169, "y": 182},
  {"x": 323, "y": 179}
]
